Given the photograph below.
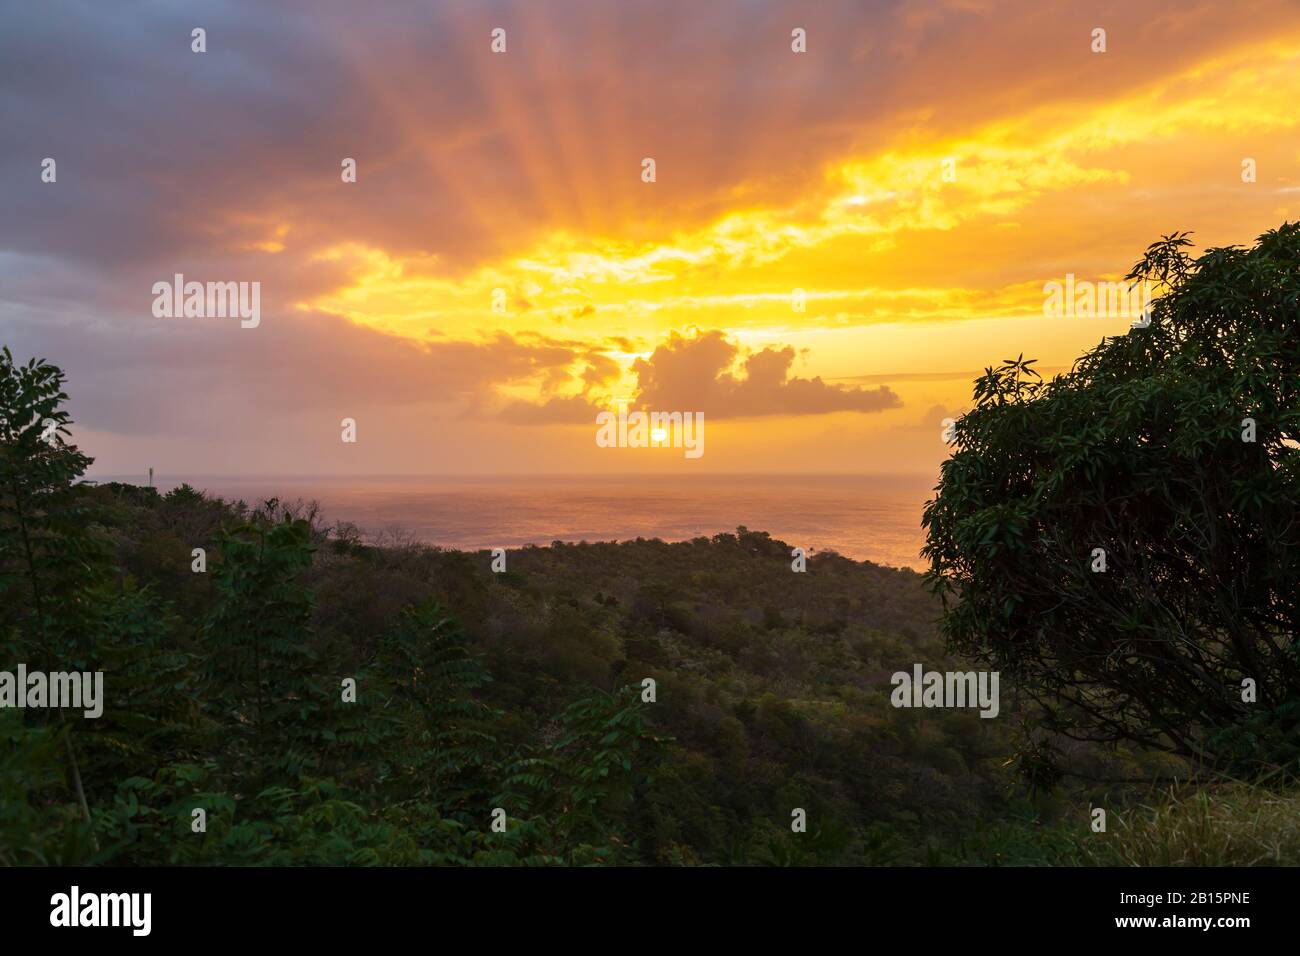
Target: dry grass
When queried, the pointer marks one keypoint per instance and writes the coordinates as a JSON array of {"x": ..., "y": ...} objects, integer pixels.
[{"x": 1229, "y": 825}]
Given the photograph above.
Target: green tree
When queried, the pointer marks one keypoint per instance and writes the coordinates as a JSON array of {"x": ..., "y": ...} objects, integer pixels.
[
  {"x": 51, "y": 562},
  {"x": 49, "y": 559},
  {"x": 430, "y": 672},
  {"x": 1171, "y": 448},
  {"x": 260, "y": 666}
]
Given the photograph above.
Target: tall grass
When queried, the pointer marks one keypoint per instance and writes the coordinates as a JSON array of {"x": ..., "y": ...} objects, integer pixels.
[
  {"x": 1235, "y": 824},
  {"x": 1221, "y": 824}
]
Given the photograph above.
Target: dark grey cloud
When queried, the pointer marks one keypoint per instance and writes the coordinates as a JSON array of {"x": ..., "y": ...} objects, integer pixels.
[
  {"x": 144, "y": 375},
  {"x": 694, "y": 374},
  {"x": 164, "y": 153}
]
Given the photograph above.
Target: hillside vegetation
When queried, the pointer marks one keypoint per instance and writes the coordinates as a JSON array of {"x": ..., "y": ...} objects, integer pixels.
[{"x": 771, "y": 693}]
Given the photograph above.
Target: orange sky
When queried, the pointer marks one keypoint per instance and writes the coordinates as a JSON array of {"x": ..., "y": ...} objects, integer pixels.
[{"x": 517, "y": 178}]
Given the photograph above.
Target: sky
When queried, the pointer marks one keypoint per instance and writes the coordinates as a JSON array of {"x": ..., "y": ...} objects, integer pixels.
[{"x": 834, "y": 244}]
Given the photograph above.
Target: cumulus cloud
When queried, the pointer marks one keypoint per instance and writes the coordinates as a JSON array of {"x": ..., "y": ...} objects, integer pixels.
[{"x": 695, "y": 374}]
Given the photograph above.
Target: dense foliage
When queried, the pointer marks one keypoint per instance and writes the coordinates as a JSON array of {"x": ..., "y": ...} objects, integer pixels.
[
  {"x": 225, "y": 675},
  {"x": 1124, "y": 540}
]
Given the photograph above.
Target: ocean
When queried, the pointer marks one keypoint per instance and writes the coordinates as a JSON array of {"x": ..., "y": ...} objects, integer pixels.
[{"x": 866, "y": 517}]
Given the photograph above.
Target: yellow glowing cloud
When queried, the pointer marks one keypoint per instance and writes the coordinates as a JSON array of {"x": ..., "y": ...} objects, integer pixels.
[{"x": 859, "y": 244}]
